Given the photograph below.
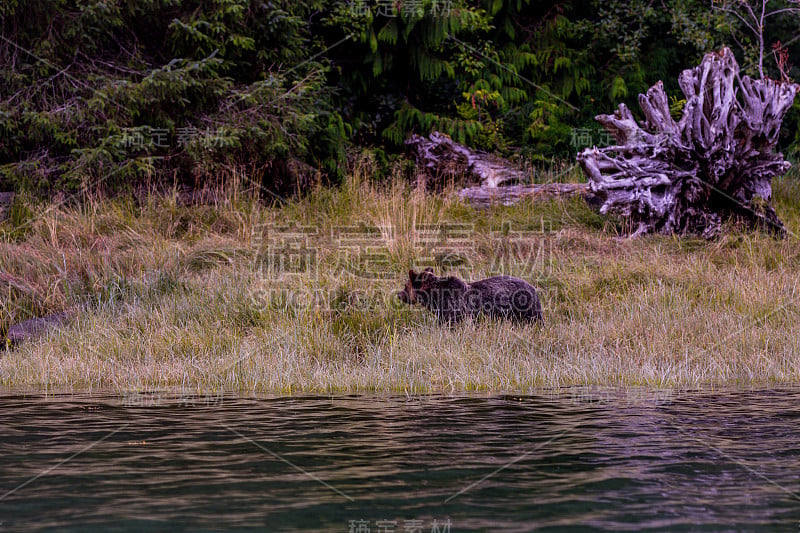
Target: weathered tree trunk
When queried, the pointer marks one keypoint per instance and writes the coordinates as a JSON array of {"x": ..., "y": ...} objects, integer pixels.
[
  {"x": 445, "y": 160},
  {"x": 511, "y": 194},
  {"x": 36, "y": 327},
  {"x": 692, "y": 175},
  {"x": 501, "y": 182}
]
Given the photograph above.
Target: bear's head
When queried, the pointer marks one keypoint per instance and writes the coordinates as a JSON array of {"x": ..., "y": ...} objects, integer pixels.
[{"x": 418, "y": 286}]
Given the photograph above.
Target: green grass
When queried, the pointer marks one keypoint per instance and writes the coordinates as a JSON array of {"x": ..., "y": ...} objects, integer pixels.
[{"x": 218, "y": 298}]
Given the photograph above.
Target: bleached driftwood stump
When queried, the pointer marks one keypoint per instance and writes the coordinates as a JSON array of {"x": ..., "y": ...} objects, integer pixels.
[{"x": 692, "y": 175}]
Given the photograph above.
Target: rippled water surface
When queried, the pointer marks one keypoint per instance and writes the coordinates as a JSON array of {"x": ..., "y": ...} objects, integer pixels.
[{"x": 692, "y": 461}]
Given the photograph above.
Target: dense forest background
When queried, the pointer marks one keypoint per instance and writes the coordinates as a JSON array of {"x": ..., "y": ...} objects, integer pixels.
[{"x": 116, "y": 94}]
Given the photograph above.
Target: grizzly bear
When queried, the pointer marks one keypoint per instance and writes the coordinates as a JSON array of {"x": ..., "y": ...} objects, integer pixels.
[{"x": 451, "y": 299}]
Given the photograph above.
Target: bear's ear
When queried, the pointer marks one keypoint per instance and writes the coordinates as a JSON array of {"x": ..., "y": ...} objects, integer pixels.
[
  {"x": 412, "y": 275},
  {"x": 426, "y": 275}
]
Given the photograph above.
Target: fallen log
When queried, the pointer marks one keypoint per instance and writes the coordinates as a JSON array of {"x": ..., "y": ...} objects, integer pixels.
[
  {"x": 446, "y": 160},
  {"x": 511, "y": 194},
  {"x": 36, "y": 327},
  {"x": 715, "y": 163},
  {"x": 501, "y": 181},
  {"x": 6, "y": 199}
]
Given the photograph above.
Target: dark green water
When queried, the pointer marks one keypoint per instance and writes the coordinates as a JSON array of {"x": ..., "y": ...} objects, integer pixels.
[{"x": 577, "y": 460}]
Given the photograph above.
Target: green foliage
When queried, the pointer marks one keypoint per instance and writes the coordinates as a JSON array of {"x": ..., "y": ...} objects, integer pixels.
[{"x": 158, "y": 91}]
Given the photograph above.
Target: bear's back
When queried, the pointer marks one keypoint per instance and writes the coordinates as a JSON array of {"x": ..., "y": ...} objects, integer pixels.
[{"x": 504, "y": 297}]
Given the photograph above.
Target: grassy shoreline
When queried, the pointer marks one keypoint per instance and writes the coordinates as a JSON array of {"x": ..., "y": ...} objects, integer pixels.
[{"x": 299, "y": 298}]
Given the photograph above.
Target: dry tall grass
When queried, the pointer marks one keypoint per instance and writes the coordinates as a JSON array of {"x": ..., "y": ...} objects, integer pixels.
[{"x": 300, "y": 297}]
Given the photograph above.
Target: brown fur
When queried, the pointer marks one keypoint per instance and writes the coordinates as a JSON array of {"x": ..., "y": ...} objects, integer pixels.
[{"x": 451, "y": 299}]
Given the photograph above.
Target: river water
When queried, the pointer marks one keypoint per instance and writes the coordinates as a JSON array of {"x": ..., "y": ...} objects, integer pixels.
[{"x": 571, "y": 459}]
